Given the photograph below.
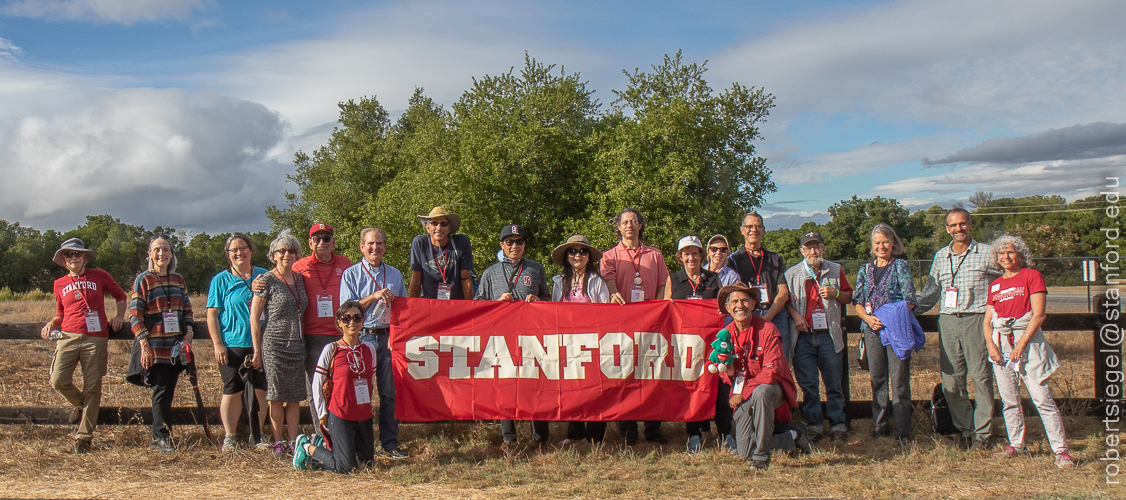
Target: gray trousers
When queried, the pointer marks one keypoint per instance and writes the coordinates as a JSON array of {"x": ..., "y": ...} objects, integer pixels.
[
  {"x": 754, "y": 422},
  {"x": 964, "y": 354},
  {"x": 885, "y": 367}
]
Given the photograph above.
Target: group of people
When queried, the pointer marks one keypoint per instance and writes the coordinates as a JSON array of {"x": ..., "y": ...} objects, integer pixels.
[{"x": 317, "y": 328}]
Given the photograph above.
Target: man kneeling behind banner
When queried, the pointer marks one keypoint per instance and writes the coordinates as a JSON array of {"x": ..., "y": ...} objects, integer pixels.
[{"x": 473, "y": 360}]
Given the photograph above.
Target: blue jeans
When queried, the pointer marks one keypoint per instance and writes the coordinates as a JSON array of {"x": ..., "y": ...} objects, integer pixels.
[
  {"x": 815, "y": 353},
  {"x": 385, "y": 385},
  {"x": 352, "y": 444},
  {"x": 782, "y": 322}
]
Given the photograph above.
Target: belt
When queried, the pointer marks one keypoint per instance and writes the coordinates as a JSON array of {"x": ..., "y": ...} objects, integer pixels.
[
  {"x": 963, "y": 315},
  {"x": 377, "y": 331}
]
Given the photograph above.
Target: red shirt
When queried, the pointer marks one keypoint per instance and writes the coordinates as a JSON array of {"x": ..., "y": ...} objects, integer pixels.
[
  {"x": 620, "y": 264},
  {"x": 342, "y": 403},
  {"x": 760, "y": 358},
  {"x": 1012, "y": 297},
  {"x": 321, "y": 279},
  {"x": 812, "y": 293},
  {"x": 76, "y": 295}
]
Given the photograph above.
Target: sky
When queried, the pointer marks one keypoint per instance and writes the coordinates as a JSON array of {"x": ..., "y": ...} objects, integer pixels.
[{"x": 187, "y": 113}]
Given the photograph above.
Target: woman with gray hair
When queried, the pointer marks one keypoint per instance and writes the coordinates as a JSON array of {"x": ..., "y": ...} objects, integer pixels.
[
  {"x": 279, "y": 346},
  {"x": 885, "y": 280},
  {"x": 1014, "y": 312}
]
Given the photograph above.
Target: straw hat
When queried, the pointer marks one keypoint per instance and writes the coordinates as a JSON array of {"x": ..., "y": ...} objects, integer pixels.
[
  {"x": 732, "y": 288},
  {"x": 73, "y": 245},
  {"x": 559, "y": 255},
  {"x": 455, "y": 221}
]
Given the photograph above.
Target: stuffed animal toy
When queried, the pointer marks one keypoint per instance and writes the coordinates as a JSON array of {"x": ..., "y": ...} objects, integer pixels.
[{"x": 723, "y": 352}]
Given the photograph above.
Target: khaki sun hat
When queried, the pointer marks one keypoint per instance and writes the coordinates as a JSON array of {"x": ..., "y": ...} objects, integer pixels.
[
  {"x": 559, "y": 255},
  {"x": 455, "y": 221},
  {"x": 736, "y": 287}
]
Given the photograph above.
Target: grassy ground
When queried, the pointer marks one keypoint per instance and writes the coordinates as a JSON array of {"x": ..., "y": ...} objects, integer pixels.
[{"x": 463, "y": 460}]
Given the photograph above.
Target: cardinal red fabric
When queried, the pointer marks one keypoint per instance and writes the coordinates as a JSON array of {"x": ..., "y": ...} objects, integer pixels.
[{"x": 485, "y": 360}]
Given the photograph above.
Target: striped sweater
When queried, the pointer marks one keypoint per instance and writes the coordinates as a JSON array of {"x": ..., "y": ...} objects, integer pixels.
[{"x": 153, "y": 296}]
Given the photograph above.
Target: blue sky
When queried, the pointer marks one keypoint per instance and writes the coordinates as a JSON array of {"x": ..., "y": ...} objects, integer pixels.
[{"x": 186, "y": 113}]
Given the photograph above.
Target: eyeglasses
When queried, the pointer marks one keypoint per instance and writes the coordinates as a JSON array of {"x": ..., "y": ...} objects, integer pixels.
[
  {"x": 436, "y": 223},
  {"x": 349, "y": 319},
  {"x": 72, "y": 254},
  {"x": 289, "y": 251},
  {"x": 719, "y": 249},
  {"x": 578, "y": 251},
  {"x": 321, "y": 239},
  {"x": 512, "y": 243},
  {"x": 239, "y": 249},
  {"x": 754, "y": 226}
]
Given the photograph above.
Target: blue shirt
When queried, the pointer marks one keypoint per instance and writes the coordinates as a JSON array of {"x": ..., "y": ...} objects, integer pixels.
[
  {"x": 441, "y": 265},
  {"x": 362, "y": 279},
  {"x": 231, "y": 295}
]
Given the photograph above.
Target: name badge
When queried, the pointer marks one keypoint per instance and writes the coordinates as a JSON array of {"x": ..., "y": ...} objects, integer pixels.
[
  {"x": 171, "y": 322},
  {"x": 382, "y": 313},
  {"x": 950, "y": 298},
  {"x": 93, "y": 322},
  {"x": 737, "y": 388},
  {"x": 694, "y": 296},
  {"x": 324, "y": 306},
  {"x": 636, "y": 295},
  {"x": 868, "y": 307},
  {"x": 443, "y": 291},
  {"x": 820, "y": 322},
  {"x": 360, "y": 387},
  {"x": 762, "y": 293}
]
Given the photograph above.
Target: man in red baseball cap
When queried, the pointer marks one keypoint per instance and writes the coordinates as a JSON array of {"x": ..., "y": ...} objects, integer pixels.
[{"x": 322, "y": 272}]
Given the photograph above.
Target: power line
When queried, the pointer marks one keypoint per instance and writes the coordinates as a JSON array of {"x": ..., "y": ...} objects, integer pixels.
[
  {"x": 987, "y": 207},
  {"x": 1040, "y": 211}
]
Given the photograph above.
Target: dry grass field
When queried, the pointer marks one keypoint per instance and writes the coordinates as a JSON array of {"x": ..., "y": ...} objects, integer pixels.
[{"x": 463, "y": 460}]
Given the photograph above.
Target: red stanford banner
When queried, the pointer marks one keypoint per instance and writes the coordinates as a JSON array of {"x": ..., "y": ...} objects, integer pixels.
[{"x": 486, "y": 360}]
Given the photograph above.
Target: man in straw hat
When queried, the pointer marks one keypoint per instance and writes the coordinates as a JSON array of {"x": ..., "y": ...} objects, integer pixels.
[
  {"x": 441, "y": 260},
  {"x": 80, "y": 328},
  {"x": 760, "y": 378}
]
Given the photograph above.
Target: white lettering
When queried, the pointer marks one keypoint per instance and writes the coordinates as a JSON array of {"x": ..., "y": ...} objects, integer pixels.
[
  {"x": 615, "y": 365},
  {"x": 545, "y": 355},
  {"x": 460, "y": 346},
  {"x": 496, "y": 358},
  {"x": 422, "y": 361},
  {"x": 578, "y": 353},
  {"x": 688, "y": 357},
  {"x": 652, "y": 348}
]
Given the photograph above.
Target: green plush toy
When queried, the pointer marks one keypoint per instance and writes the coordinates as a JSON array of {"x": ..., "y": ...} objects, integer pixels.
[{"x": 723, "y": 352}]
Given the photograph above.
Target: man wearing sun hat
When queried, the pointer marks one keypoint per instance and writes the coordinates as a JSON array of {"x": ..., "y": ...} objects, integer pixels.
[
  {"x": 80, "y": 314},
  {"x": 441, "y": 259}
]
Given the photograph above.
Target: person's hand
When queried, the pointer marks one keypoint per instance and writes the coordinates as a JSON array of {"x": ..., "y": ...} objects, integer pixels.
[
  {"x": 256, "y": 361},
  {"x": 874, "y": 323},
  {"x": 507, "y": 297},
  {"x": 147, "y": 357},
  {"x": 188, "y": 336},
  {"x": 46, "y": 331},
  {"x": 387, "y": 296},
  {"x": 827, "y": 292},
  {"x": 995, "y": 354},
  {"x": 617, "y": 298},
  {"x": 220, "y": 353},
  {"x": 259, "y": 284},
  {"x": 735, "y": 401},
  {"x": 531, "y": 298},
  {"x": 1016, "y": 353},
  {"x": 801, "y": 324}
]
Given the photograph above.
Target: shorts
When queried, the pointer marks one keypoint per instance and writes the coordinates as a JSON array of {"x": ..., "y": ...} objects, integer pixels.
[{"x": 232, "y": 382}]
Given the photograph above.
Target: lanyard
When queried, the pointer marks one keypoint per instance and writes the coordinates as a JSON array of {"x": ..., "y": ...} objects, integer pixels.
[
  {"x": 382, "y": 269},
  {"x": 320, "y": 276},
  {"x": 162, "y": 284},
  {"x": 244, "y": 281},
  {"x": 758, "y": 268},
  {"x": 441, "y": 265},
  {"x": 292, "y": 289},
  {"x": 515, "y": 277},
  {"x": 694, "y": 285},
  {"x": 748, "y": 345},
  {"x": 953, "y": 270},
  {"x": 78, "y": 290},
  {"x": 636, "y": 265}
]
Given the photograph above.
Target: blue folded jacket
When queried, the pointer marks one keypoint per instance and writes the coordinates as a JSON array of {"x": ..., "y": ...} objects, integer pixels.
[{"x": 901, "y": 330}]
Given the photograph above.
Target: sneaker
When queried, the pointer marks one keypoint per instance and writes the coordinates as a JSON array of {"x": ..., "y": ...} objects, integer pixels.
[
  {"x": 399, "y": 454},
  {"x": 75, "y": 415},
  {"x": 802, "y": 443},
  {"x": 1064, "y": 460},
  {"x": 289, "y": 448},
  {"x": 318, "y": 441},
  {"x": 694, "y": 444},
  {"x": 279, "y": 449},
  {"x": 264, "y": 444},
  {"x": 838, "y": 435},
  {"x": 760, "y": 465},
  {"x": 163, "y": 445},
  {"x": 1009, "y": 451},
  {"x": 229, "y": 443},
  {"x": 81, "y": 446},
  {"x": 300, "y": 456}
]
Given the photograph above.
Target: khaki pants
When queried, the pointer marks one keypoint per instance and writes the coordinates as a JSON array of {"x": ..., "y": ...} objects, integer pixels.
[
  {"x": 964, "y": 354},
  {"x": 91, "y": 352}
]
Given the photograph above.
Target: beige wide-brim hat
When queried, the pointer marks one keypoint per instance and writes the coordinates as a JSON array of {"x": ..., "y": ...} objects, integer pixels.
[
  {"x": 73, "y": 245},
  {"x": 732, "y": 288},
  {"x": 559, "y": 255},
  {"x": 455, "y": 221}
]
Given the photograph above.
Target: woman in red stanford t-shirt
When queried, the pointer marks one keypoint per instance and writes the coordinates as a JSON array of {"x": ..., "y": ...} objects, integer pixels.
[
  {"x": 1017, "y": 347},
  {"x": 80, "y": 317},
  {"x": 344, "y": 403}
]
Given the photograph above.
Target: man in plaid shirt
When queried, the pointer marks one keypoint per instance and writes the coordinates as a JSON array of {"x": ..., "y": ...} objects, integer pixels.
[{"x": 963, "y": 275}]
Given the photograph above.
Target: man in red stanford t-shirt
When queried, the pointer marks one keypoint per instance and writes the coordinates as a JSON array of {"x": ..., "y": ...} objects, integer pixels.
[{"x": 80, "y": 314}]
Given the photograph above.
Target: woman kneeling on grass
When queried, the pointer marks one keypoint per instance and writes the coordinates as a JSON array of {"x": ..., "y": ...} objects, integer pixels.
[
  {"x": 1018, "y": 349},
  {"x": 342, "y": 398}
]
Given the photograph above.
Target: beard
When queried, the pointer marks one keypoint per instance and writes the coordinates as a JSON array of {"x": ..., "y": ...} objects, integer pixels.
[{"x": 813, "y": 261}]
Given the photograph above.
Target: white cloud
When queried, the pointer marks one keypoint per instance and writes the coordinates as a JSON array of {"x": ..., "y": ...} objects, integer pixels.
[
  {"x": 126, "y": 12},
  {"x": 1069, "y": 178},
  {"x": 827, "y": 167}
]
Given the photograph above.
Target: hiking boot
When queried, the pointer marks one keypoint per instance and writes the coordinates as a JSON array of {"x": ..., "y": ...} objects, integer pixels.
[
  {"x": 760, "y": 465},
  {"x": 300, "y": 456},
  {"x": 229, "y": 443},
  {"x": 1064, "y": 460},
  {"x": 163, "y": 445},
  {"x": 81, "y": 446},
  {"x": 694, "y": 444},
  {"x": 802, "y": 443},
  {"x": 75, "y": 415},
  {"x": 1009, "y": 452}
]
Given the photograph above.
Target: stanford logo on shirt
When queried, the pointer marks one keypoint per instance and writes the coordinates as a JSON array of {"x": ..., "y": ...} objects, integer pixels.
[
  {"x": 338, "y": 271},
  {"x": 527, "y": 281}
]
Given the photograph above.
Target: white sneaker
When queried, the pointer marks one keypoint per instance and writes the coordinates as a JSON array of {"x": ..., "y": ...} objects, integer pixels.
[{"x": 229, "y": 443}]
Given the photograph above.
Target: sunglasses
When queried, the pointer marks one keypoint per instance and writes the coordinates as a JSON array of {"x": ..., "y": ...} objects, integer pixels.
[
  {"x": 719, "y": 249},
  {"x": 289, "y": 251},
  {"x": 322, "y": 239},
  {"x": 510, "y": 243},
  {"x": 439, "y": 223},
  {"x": 578, "y": 251},
  {"x": 349, "y": 319},
  {"x": 72, "y": 254}
]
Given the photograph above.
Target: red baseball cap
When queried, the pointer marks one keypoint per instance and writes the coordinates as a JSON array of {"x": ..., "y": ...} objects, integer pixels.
[{"x": 320, "y": 227}]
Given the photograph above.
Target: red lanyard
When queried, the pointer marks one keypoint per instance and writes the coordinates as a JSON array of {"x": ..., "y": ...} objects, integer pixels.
[
  {"x": 636, "y": 265},
  {"x": 694, "y": 285},
  {"x": 320, "y": 276},
  {"x": 748, "y": 345},
  {"x": 441, "y": 265},
  {"x": 78, "y": 290},
  {"x": 382, "y": 269},
  {"x": 292, "y": 289},
  {"x": 516, "y": 277},
  {"x": 758, "y": 268}
]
